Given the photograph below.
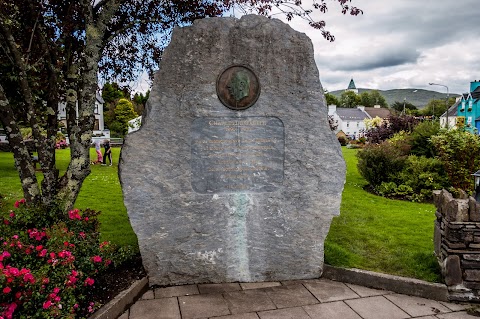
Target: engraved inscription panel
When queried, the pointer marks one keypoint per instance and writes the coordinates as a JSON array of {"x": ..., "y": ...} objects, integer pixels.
[{"x": 237, "y": 154}]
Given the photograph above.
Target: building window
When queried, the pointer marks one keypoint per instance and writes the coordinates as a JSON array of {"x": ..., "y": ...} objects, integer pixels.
[
  {"x": 348, "y": 124},
  {"x": 96, "y": 125}
]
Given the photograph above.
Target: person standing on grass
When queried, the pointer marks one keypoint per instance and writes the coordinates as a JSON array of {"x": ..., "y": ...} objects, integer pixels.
[
  {"x": 99, "y": 152},
  {"x": 107, "y": 153}
]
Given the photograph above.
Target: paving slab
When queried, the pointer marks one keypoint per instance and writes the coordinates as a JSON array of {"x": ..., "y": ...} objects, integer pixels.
[
  {"x": 218, "y": 288},
  {"x": 331, "y": 310},
  {"x": 416, "y": 306},
  {"x": 176, "y": 291},
  {"x": 248, "y": 301},
  {"x": 298, "y": 281},
  {"x": 256, "y": 285},
  {"x": 288, "y": 313},
  {"x": 165, "y": 308},
  {"x": 291, "y": 296},
  {"x": 203, "y": 306},
  {"x": 124, "y": 315},
  {"x": 327, "y": 290},
  {"x": 456, "y": 315},
  {"x": 377, "y": 307},
  {"x": 367, "y": 292},
  {"x": 455, "y": 306},
  {"x": 251, "y": 315},
  {"x": 148, "y": 295}
]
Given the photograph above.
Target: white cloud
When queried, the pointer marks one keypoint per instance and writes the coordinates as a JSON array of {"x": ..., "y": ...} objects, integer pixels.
[{"x": 399, "y": 44}]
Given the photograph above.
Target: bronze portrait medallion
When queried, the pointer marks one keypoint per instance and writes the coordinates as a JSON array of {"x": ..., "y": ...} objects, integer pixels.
[{"x": 238, "y": 87}]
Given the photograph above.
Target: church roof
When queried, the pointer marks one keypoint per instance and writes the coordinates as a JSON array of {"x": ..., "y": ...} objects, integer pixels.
[{"x": 351, "y": 86}]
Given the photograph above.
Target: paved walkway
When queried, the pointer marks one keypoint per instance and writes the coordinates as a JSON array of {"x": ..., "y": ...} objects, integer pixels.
[{"x": 305, "y": 299}]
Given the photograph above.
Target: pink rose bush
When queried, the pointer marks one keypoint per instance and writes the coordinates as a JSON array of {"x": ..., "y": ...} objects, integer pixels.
[
  {"x": 49, "y": 262},
  {"x": 61, "y": 144}
]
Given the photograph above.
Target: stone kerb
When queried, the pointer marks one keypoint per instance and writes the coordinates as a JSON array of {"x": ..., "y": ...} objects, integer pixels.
[
  {"x": 457, "y": 244},
  {"x": 221, "y": 192}
]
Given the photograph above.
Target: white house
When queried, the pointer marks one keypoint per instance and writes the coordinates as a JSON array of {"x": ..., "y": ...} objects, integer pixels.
[
  {"x": 452, "y": 116},
  {"x": 349, "y": 120},
  {"x": 99, "y": 131}
]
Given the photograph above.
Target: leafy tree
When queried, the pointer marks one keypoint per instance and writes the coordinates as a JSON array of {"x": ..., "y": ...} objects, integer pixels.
[
  {"x": 365, "y": 99},
  {"x": 372, "y": 98},
  {"x": 377, "y": 99},
  {"x": 111, "y": 92},
  {"x": 437, "y": 107},
  {"x": 55, "y": 50},
  {"x": 349, "y": 99},
  {"x": 331, "y": 99},
  {"x": 124, "y": 112},
  {"x": 405, "y": 105},
  {"x": 139, "y": 101}
]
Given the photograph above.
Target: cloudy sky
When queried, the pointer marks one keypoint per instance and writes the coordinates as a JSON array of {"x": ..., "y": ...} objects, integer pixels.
[{"x": 400, "y": 44}]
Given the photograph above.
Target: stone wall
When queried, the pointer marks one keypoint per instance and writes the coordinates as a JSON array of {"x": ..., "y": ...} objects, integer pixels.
[{"x": 457, "y": 244}]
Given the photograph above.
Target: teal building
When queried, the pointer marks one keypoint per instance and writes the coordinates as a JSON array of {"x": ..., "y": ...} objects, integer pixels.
[{"x": 469, "y": 108}]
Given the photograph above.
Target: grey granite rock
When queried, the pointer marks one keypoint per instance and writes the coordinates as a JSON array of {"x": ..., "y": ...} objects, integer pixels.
[{"x": 194, "y": 224}]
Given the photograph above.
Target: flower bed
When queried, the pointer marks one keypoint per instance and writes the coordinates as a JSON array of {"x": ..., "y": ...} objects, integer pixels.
[{"x": 49, "y": 261}]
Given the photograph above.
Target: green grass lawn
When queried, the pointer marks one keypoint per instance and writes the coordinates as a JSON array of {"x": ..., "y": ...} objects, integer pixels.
[
  {"x": 379, "y": 234},
  {"x": 100, "y": 191},
  {"x": 372, "y": 232}
]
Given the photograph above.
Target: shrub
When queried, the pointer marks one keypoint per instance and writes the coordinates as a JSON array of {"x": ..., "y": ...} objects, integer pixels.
[
  {"x": 49, "y": 262},
  {"x": 404, "y": 190},
  {"x": 342, "y": 140},
  {"x": 423, "y": 175},
  {"x": 416, "y": 182},
  {"x": 459, "y": 153},
  {"x": 387, "y": 189},
  {"x": 61, "y": 144},
  {"x": 420, "y": 138},
  {"x": 380, "y": 163},
  {"x": 392, "y": 125},
  {"x": 401, "y": 141}
]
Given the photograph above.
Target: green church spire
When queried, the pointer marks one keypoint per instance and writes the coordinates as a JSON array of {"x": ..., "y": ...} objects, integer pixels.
[{"x": 352, "y": 86}]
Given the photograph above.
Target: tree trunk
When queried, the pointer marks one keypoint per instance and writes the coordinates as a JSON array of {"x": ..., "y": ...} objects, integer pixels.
[
  {"x": 80, "y": 135},
  {"x": 23, "y": 160}
]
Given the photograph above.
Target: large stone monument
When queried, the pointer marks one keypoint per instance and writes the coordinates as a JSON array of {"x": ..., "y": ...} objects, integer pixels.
[{"x": 234, "y": 174}]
